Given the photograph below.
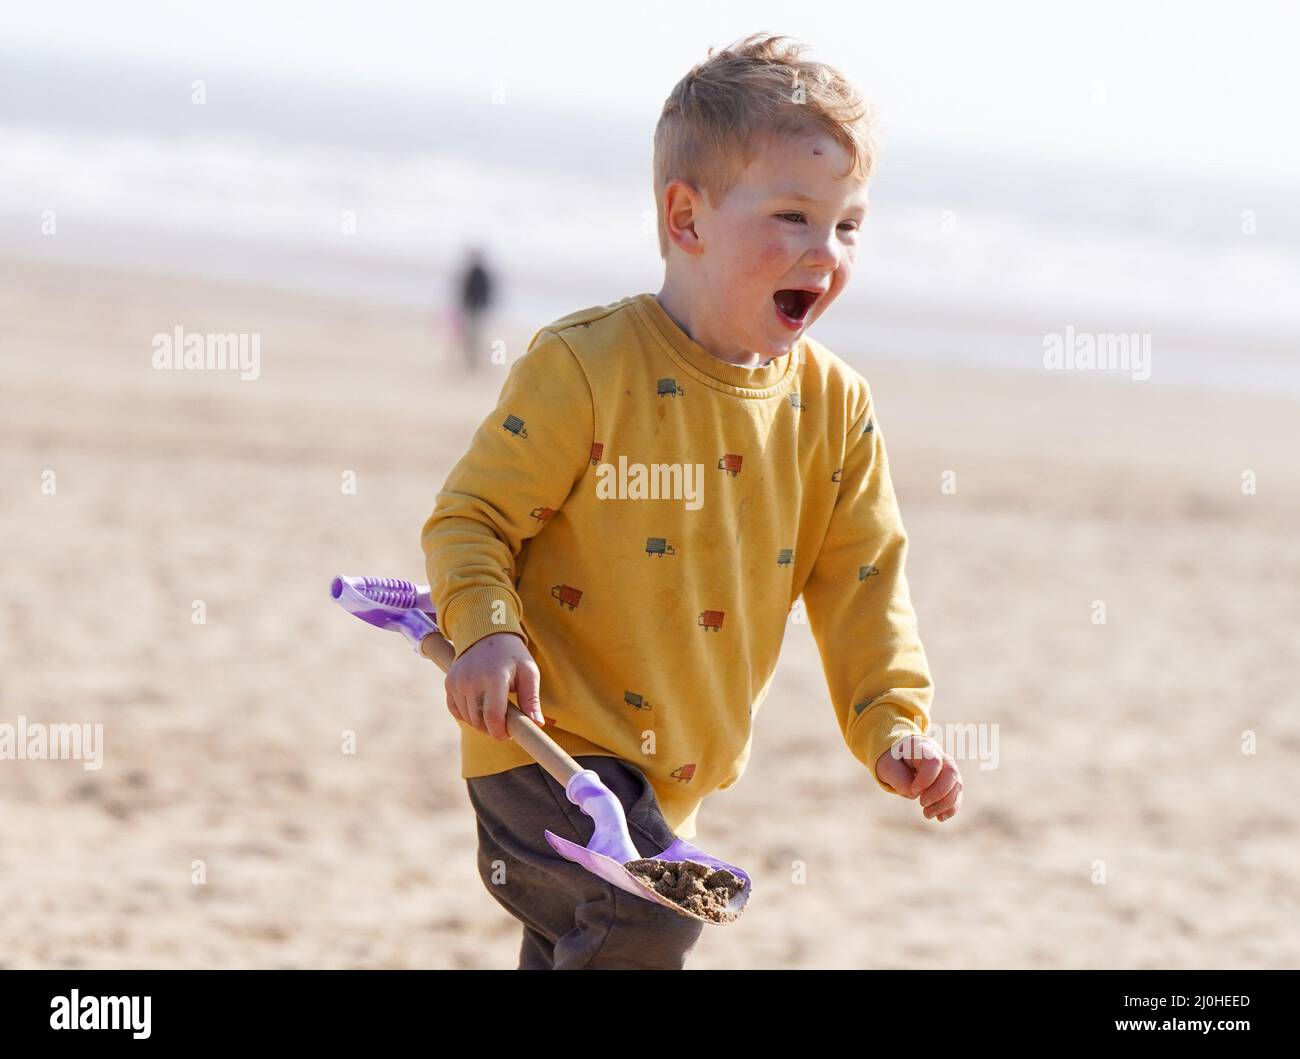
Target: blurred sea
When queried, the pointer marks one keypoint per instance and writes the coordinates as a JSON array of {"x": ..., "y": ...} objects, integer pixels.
[{"x": 356, "y": 191}]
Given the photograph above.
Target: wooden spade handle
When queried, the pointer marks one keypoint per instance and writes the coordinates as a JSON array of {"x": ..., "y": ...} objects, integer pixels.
[{"x": 522, "y": 728}]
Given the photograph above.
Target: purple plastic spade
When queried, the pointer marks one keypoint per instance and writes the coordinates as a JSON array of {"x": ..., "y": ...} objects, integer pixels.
[
  {"x": 611, "y": 845},
  {"x": 387, "y": 603},
  {"x": 400, "y": 606}
]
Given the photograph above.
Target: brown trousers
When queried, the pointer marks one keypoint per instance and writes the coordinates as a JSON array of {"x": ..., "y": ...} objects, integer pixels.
[{"x": 572, "y": 919}]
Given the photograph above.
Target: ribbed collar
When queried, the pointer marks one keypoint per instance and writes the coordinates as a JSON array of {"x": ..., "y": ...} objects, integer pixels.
[{"x": 700, "y": 364}]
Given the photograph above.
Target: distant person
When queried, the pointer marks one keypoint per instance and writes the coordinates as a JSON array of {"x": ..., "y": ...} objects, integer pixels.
[{"x": 475, "y": 297}]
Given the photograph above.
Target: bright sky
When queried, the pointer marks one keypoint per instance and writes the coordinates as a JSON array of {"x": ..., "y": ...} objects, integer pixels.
[{"x": 1192, "y": 83}]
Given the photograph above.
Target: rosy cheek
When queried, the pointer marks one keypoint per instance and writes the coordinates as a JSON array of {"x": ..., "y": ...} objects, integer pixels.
[
  {"x": 838, "y": 283},
  {"x": 760, "y": 261},
  {"x": 772, "y": 253}
]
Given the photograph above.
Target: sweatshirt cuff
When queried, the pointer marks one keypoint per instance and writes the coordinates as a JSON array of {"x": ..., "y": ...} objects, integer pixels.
[
  {"x": 475, "y": 613},
  {"x": 884, "y": 725}
]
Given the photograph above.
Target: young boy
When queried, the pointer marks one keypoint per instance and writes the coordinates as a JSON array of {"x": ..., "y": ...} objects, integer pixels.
[{"x": 662, "y": 478}]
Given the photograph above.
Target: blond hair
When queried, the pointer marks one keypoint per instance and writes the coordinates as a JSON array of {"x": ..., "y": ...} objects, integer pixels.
[{"x": 717, "y": 117}]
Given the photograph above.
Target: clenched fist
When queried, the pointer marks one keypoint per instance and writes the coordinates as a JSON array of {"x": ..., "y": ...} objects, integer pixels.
[
  {"x": 480, "y": 679},
  {"x": 917, "y": 767}
]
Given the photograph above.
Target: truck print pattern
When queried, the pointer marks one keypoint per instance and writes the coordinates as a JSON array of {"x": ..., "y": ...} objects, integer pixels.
[
  {"x": 858, "y": 707},
  {"x": 567, "y": 595},
  {"x": 635, "y": 701},
  {"x": 708, "y": 620}
]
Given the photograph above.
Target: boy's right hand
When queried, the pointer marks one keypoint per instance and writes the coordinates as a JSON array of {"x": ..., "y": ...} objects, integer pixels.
[{"x": 479, "y": 680}]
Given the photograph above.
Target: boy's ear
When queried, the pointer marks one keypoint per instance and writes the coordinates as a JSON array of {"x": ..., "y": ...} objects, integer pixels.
[{"x": 680, "y": 199}]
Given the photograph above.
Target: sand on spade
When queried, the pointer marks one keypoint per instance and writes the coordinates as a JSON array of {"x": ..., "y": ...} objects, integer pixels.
[{"x": 694, "y": 886}]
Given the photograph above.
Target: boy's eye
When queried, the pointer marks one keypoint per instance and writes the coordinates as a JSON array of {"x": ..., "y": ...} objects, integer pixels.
[{"x": 848, "y": 226}]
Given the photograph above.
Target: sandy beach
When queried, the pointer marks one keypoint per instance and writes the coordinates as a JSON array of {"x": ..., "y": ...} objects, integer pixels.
[{"x": 1121, "y": 825}]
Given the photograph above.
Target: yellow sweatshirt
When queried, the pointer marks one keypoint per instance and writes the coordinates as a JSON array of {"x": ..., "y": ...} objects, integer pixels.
[{"x": 646, "y": 516}]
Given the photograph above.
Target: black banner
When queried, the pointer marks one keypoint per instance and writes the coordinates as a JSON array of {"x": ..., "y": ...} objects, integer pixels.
[{"x": 338, "y": 1007}]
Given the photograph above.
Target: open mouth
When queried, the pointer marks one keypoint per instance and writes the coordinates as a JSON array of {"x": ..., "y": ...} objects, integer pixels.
[{"x": 793, "y": 305}]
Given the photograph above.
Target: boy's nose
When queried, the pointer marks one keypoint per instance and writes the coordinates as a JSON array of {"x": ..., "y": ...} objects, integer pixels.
[{"x": 823, "y": 257}]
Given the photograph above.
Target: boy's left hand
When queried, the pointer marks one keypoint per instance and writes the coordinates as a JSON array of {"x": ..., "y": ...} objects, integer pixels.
[{"x": 917, "y": 767}]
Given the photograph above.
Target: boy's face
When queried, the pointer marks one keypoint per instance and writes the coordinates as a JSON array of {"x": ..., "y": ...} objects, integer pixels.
[{"x": 764, "y": 238}]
